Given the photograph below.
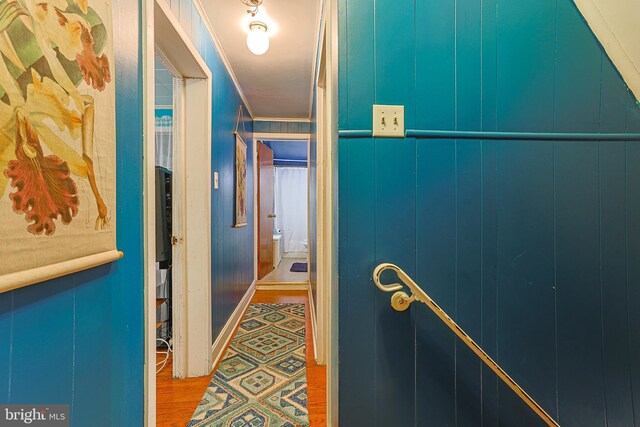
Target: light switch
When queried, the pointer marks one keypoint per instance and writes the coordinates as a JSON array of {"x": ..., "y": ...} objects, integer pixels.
[
  {"x": 215, "y": 180},
  {"x": 388, "y": 121}
]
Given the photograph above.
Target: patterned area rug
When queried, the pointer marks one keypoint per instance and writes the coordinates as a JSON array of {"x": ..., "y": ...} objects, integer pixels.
[{"x": 262, "y": 379}]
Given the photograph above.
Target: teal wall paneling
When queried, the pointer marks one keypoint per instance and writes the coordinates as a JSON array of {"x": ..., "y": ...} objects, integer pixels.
[
  {"x": 394, "y": 185},
  {"x": 362, "y": 327},
  {"x": 357, "y": 35},
  {"x": 293, "y": 127},
  {"x": 435, "y": 266},
  {"x": 435, "y": 40},
  {"x": 632, "y": 177},
  {"x": 260, "y": 127},
  {"x": 267, "y": 126},
  {"x": 275, "y": 127},
  {"x": 525, "y": 34},
  {"x": 525, "y": 229},
  {"x": 613, "y": 282},
  {"x": 468, "y": 205},
  {"x": 489, "y": 278},
  {"x": 468, "y": 306},
  {"x": 356, "y": 78},
  {"x": 6, "y": 332}
]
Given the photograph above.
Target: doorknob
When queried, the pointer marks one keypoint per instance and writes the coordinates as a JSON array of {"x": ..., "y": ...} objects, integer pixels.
[{"x": 271, "y": 215}]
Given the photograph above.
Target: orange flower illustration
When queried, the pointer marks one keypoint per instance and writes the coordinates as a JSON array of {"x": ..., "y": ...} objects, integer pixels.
[
  {"x": 58, "y": 46},
  {"x": 44, "y": 188},
  {"x": 94, "y": 70}
]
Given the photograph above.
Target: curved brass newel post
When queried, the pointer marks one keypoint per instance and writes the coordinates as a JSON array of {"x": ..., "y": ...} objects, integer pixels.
[{"x": 401, "y": 301}]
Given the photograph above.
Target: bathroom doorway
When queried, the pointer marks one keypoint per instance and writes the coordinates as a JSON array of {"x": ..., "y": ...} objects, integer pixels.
[{"x": 283, "y": 231}]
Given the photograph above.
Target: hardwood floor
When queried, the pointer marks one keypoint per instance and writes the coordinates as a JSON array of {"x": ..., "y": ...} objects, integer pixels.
[{"x": 177, "y": 399}]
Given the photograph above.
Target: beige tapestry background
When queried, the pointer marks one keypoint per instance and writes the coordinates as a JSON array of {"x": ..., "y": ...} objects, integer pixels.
[{"x": 57, "y": 133}]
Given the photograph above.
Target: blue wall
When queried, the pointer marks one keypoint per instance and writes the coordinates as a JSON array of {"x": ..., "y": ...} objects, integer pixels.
[
  {"x": 78, "y": 340},
  {"x": 533, "y": 247},
  {"x": 232, "y": 248}
]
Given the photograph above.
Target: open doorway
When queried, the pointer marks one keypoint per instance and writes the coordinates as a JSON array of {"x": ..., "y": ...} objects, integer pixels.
[
  {"x": 177, "y": 203},
  {"x": 282, "y": 214},
  {"x": 164, "y": 144}
]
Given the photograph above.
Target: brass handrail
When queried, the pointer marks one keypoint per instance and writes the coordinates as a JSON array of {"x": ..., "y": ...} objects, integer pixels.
[{"x": 400, "y": 301}]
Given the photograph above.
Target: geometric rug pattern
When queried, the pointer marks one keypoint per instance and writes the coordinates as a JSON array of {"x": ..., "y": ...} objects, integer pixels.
[{"x": 261, "y": 380}]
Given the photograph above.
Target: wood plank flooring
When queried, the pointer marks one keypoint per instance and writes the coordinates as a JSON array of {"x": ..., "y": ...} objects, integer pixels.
[{"x": 177, "y": 399}]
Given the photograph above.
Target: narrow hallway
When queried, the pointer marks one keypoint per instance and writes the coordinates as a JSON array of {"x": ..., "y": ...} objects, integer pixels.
[{"x": 177, "y": 399}]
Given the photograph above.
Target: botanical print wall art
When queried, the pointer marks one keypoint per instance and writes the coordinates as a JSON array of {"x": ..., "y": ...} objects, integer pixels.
[
  {"x": 57, "y": 132},
  {"x": 241, "y": 182}
]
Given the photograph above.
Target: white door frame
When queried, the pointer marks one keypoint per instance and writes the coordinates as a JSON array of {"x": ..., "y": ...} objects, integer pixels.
[
  {"x": 331, "y": 168},
  {"x": 266, "y": 137},
  {"x": 295, "y": 137},
  {"x": 192, "y": 339},
  {"x": 324, "y": 203}
]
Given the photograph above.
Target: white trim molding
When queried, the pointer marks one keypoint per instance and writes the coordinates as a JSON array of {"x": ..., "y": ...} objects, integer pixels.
[
  {"x": 282, "y": 286},
  {"x": 148, "y": 90},
  {"x": 281, "y": 136},
  {"x": 314, "y": 68},
  {"x": 615, "y": 24},
  {"x": 279, "y": 119},
  {"x": 314, "y": 324},
  {"x": 332, "y": 282},
  {"x": 222, "y": 341}
]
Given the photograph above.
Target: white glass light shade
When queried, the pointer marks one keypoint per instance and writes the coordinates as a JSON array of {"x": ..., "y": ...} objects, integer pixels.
[{"x": 257, "y": 39}]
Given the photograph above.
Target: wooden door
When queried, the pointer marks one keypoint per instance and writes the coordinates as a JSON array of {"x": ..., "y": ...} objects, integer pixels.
[{"x": 265, "y": 210}]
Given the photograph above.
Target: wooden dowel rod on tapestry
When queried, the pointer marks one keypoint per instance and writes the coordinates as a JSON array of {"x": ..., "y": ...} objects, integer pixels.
[
  {"x": 400, "y": 301},
  {"x": 19, "y": 279}
]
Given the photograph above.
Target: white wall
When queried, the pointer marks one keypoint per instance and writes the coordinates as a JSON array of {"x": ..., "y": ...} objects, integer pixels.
[{"x": 616, "y": 23}]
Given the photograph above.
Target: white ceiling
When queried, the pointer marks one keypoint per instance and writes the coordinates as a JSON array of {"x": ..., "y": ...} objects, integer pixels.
[{"x": 277, "y": 84}]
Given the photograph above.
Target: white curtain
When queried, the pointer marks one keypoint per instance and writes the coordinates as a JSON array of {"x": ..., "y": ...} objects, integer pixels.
[
  {"x": 290, "y": 200},
  {"x": 164, "y": 145}
]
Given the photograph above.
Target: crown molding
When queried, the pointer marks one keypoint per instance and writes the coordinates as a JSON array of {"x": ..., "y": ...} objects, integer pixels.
[{"x": 223, "y": 56}]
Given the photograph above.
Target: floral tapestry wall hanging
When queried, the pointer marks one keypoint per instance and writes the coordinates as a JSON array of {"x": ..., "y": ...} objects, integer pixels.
[
  {"x": 241, "y": 182},
  {"x": 57, "y": 139}
]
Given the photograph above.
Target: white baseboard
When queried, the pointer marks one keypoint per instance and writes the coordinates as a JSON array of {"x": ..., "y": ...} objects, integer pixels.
[
  {"x": 282, "y": 286},
  {"x": 314, "y": 327},
  {"x": 217, "y": 350}
]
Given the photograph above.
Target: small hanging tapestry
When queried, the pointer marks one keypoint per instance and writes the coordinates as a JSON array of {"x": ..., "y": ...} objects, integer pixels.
[{"x": 241, "y": 182}]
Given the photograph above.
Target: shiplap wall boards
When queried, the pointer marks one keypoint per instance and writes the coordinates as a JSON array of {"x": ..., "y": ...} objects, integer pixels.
[{"x": 532, "y": 246}]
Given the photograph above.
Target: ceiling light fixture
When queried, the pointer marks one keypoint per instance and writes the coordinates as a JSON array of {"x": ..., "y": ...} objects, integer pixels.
[
  {"x": 253, "y": 4},
  {"x": 257, "y": 39}
]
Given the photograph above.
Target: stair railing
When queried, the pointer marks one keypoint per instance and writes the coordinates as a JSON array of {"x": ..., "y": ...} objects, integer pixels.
[{"x": 400, "y": 301}]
